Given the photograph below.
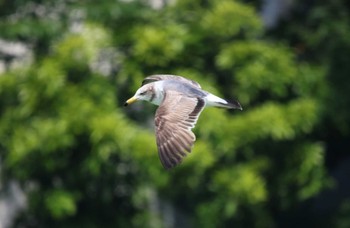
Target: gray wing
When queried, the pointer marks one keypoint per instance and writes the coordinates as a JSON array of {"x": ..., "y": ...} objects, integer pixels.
[
  {"x": 159, "y": 77},
  {"x": 174, "y": 119}
]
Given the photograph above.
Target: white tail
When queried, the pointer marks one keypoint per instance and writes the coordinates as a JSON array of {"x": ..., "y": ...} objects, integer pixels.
[{"x": 212, "y": 100}]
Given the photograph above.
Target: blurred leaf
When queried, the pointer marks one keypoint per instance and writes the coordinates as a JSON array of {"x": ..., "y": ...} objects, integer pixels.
[{"x": 60, "y": 204}]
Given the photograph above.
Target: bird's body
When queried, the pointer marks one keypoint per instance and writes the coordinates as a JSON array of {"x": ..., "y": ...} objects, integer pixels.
[
  {"x": 188, "y": 89},
  {"x": 180, "y": 103}
]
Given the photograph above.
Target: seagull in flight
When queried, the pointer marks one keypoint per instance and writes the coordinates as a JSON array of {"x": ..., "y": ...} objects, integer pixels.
[{"x": 180, "y": 102}]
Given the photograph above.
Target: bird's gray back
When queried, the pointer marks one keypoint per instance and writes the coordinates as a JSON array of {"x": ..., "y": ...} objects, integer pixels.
[{"x": 184, "y": 88}]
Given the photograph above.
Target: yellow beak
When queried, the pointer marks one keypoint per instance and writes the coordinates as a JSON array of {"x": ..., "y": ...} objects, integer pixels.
[{"x": 130, "y": 101}]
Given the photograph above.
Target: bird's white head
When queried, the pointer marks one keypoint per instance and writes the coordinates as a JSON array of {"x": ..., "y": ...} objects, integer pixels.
[{"x": 145, "y": 92}]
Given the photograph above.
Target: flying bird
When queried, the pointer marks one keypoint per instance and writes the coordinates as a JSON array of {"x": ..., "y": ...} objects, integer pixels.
[{"x": 180, "y": 102}]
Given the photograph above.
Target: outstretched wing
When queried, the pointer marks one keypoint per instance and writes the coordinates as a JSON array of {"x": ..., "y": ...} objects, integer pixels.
[
  {"x": 158, "y": 77},
  {"x": 174, "y": 119}
]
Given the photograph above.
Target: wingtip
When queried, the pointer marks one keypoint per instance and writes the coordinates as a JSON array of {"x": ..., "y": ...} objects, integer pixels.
[
  {"x": 235, "y": 105},
  {"x": 240, "y": 106},
  {"x": 167, "y": 166}
]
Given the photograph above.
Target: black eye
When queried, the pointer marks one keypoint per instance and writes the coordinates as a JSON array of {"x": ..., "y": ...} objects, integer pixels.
[{"x": 143, "y": 93}]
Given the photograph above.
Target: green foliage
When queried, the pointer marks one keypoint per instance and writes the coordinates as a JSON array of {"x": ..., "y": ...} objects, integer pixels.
[
  {"x": 322, "y": 37},
  {"x": 83, "y": 161},
  {"x": 229, "y": 18},
  {"x": 270, "y": 68},
  {"x": 60, "y": 204},
  {"x": 159, "y": 46}
]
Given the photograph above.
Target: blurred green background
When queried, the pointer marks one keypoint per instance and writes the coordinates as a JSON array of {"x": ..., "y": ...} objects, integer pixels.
[{"x": 72, "y": 156}]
